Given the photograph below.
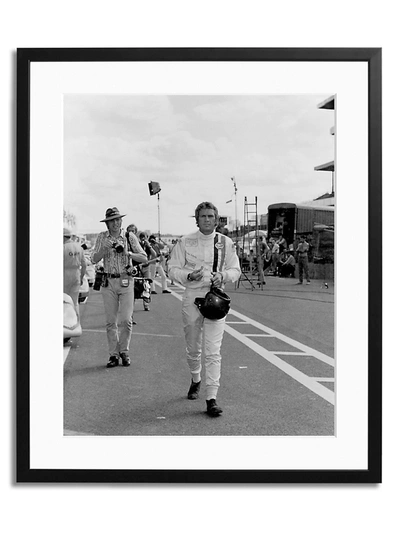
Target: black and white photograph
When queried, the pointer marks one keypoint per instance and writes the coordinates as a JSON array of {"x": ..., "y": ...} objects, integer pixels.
[{"x": 218, "y": 213}]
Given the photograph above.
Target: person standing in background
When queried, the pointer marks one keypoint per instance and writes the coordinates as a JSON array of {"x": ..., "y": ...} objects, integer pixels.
[
  {"x": 302, "y": 256},
  {"x": 74, "y": 267},
  {"x": 158, "y": 267},
  {"x": 137, "y": 257}
]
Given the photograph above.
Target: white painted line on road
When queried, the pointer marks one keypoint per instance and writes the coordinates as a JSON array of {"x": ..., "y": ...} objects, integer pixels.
[
  {"x": 305, "y": 380},
  {"x": 293, "y": 353},
  {"x": 234, "y": 322},
  {"x": 285, "y": 367},
  {"x": 70, "y": 433},
  {"x": 318, "y": 355},
  {"x": 66, "y": 352},
  {"x": 133, "y": 333},
  {"x": 327, "y": 380},
  {"x": 256, "y": 335},
  {"x": 155, "y": 335}
]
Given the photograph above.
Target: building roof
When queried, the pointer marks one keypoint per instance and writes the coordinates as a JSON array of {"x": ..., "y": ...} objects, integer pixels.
[
  {"x": 326, "y": 166},
  {"x": 329, "y": 103},
  {"x": 326, "y": 195}
]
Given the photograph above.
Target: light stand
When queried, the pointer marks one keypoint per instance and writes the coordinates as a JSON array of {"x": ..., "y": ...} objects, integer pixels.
[
  {"x": 154, "y": 189},
  {"x": 158, "y": 207}
]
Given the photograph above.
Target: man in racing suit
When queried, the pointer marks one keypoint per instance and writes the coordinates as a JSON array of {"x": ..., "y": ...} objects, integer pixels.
[{"x": 197, "y": 261}]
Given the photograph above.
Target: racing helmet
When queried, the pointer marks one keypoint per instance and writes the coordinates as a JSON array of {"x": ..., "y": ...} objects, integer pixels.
[{"x": 215, "y": 305}]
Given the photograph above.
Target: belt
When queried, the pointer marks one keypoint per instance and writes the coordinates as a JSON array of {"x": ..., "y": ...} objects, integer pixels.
[{"x": 114, "y": 275}]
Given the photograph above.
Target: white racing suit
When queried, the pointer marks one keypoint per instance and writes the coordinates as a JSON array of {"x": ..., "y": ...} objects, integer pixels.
[{"x": 215, "y": 253}]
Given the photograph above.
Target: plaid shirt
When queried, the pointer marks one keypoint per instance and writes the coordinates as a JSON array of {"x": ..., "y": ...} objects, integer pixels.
[{"x": 114, "y": 262}]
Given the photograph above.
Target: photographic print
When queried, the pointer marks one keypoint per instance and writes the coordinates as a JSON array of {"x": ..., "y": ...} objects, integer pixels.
[
  {"x": 208, "y": 200},
  {"x": 257, "y": 158}
]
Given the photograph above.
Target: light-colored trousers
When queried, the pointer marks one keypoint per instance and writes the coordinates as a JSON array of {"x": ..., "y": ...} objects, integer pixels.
[
  {"x": 157, "y": 267},
  {"x": 116, "y": 300},
  {"x": 203, "y": 333}
]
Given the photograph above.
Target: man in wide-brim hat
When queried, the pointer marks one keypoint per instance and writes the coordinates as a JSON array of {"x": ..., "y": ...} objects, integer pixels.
[
  {"x": 117, "y": 288},
  {"x": 112, "y": 213}
]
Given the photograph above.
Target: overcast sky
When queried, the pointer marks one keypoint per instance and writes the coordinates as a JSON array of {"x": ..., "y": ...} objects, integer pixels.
[{"x": 192, "y": 145}]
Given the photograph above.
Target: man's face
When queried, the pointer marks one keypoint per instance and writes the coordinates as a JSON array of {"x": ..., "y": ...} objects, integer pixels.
[
  {"x": 114, "y": 226},
  {"x": 207, "y": 221}
]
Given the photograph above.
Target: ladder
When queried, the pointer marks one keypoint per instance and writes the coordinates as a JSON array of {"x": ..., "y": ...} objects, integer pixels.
[{"x": 255, "y": 261}]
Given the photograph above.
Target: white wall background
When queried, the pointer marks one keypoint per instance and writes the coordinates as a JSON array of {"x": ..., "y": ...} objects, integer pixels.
[{"x": 124, "y": 23}]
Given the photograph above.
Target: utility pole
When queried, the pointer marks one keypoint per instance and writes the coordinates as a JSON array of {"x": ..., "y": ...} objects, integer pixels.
[{"x": 236, "y": 220}]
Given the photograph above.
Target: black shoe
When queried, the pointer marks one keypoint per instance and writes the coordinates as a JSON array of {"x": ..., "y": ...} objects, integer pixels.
[
  {"x": 134, "y": 323},
  {"x": 166, "y": 291},
  {"x": 125, "y": 359},
  {"x": 212, "y": 408},
  {"x": 194, "y": 390},
  {"x": 113, "y": 361},
  {"x": 153, "y": 292}
]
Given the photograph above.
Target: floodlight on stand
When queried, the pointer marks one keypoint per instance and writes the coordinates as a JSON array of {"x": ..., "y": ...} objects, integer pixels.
[{"x": 154, "y": 188}]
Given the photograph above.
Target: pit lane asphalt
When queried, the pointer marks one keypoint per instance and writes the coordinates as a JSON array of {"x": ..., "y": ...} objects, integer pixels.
[{"x": 258, "y": 398}]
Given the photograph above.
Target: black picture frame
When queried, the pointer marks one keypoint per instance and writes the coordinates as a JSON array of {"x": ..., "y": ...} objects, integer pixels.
[{"x": 372, "y": 57}]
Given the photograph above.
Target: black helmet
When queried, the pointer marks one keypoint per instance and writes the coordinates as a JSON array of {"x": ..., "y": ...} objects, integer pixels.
[{"x": 215, "y": 305}]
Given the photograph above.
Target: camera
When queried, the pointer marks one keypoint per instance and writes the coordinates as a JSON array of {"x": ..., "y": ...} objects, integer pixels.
[
  {"x": 118, "y": 247},
  {"x": 98, "y": 280}
]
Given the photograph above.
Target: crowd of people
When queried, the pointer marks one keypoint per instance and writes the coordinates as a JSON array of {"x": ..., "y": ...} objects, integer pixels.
[{"x": 276, "y": 257}]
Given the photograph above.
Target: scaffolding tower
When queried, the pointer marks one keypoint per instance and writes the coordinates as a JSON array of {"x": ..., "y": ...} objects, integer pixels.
[{"x": 254, "y": 268}]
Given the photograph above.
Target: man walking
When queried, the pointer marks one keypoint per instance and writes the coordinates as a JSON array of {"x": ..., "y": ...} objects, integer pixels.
[
  {"x": 197, "y": 261},
  {"x": 117, "y": 288}
]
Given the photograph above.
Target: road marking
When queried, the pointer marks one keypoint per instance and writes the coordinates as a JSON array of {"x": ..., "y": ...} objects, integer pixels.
[
  {"x": 256, "y": 335},
  {"x": 272, "y": 357},
  {"x": 70, "y": 433},
  {"x": 293, "y": 353},
  {"x": 302, "y": 347},
  {"x": 66, "y": 352},
  {"x": 156, "y": 335},
  {"x": 305, "y": 380},
  {"x": 327, "y": 380},
  {"x": 133, "y": 333}
]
